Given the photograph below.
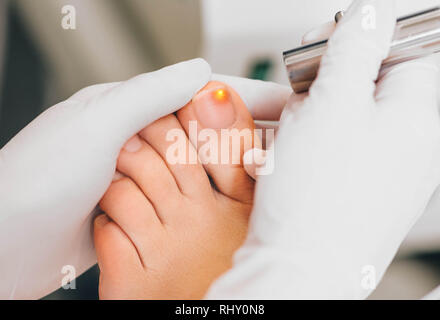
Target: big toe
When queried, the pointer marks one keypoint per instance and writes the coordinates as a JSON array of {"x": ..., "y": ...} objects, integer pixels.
[{"x": 221, "y": 128}]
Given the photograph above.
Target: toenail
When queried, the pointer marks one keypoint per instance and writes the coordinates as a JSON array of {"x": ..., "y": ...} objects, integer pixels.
[
  {"x": 117, "y": 176},
  {"x": 102, "y": 220},
  {"x": 133, "y": 145},
  {"x": 214, "y": 108}
]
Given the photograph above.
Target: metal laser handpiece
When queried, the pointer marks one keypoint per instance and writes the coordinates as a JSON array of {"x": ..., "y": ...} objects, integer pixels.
[{"x": 416, "y": 36}]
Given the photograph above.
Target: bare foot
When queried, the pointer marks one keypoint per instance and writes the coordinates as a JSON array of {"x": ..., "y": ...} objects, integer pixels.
[{"x": 171, "y": 229}]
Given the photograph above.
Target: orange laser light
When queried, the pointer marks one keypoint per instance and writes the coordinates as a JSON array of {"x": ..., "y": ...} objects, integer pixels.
[{"x": 220, "y": 94}]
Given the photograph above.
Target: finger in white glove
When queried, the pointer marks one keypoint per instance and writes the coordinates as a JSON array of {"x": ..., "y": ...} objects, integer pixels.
[
  {"x": 265, "y": 100},
  {"x": 356, "y": 163},
  {"x": 320, "y": 33}
]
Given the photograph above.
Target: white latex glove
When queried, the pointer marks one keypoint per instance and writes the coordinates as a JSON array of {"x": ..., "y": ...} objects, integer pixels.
[{"x": 356, "y": 162}]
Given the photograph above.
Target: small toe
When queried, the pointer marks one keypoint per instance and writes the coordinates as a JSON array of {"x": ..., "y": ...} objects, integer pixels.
[
  {"x": 115, "y": 252},
  {"x": 170, "y": 141},
  {"x": 145, "y": 167},
  {"x": 128, "y": 207}
]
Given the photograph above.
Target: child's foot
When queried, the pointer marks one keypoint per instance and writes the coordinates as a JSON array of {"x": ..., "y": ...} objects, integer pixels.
[{"x": 170, "y": 229}]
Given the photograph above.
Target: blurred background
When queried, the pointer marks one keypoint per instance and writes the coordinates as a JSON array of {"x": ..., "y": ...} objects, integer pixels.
[{"x": 41, "y": 63}]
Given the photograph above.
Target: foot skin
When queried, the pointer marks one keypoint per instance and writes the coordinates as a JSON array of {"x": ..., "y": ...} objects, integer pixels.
[{"x": 169, "y": 230}]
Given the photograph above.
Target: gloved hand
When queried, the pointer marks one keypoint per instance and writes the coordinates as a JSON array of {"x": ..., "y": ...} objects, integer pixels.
[
  {"x": 356, "y": 162},
  {"x": 53, "y": 173}
]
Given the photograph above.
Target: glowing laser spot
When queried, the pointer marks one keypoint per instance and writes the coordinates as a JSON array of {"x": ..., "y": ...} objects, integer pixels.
[{"x": 220, "y": 94}]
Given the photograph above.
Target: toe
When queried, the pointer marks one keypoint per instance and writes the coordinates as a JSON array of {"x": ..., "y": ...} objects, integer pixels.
[
  {"x": 167, "y": 137},
  {"x": 128, "y": 207},
  {"x": 116, "y": 253},
  {"x": 222, "y": 130},
  {"x": 142, "y": 164}
]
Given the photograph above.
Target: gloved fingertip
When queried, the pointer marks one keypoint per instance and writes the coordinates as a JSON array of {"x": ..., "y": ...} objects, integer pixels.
[
  {"x": 253, "y": 159},
  {"x": 193, "y": 70},
  {"x": 369, "y": 20},
  {"x": 318, "y": 34},
  {"x": 356, "y": 49},
  {"x": 134, "y": 104},
  {"x": 199, "y": 63},
  {"x": 191, "y": 75},
  {"x": 201, "y": 69}
]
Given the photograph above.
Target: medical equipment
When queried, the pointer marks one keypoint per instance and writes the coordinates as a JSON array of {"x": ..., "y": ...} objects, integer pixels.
[{"x": 416, "y": 35}]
